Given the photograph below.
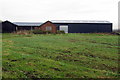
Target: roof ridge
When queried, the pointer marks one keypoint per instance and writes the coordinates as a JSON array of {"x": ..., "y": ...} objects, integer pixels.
[{"x": 80, "y": 21}]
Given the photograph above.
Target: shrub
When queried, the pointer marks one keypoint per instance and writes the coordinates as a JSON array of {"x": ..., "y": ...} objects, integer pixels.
[
  {"x": 37, "y": 31},
  {"x": 23, "y": 32},
  {"x": 47, "y": 32},
  {"x": 41, "y": 32},
  {"x": 60, "y": 32}
]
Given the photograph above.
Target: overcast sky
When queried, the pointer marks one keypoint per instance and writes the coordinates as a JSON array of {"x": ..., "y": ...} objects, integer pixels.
[{"x": 43, "y": 10}]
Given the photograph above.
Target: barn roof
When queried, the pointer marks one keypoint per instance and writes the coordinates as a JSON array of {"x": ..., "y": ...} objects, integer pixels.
[
  {"x": 28, "y": 23},
  {"x": 79, "y": 21},
  {"x": 58, "y": 21}
]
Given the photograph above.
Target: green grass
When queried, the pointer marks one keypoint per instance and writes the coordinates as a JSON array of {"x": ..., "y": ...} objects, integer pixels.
[{"x": 60, "y": 56}]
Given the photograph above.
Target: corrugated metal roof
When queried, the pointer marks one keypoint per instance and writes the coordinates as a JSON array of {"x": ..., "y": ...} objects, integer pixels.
[
  {"x": 28, "y": 23},
  {"x": 79, "y": 21},
  {"x": 59, "y": 21}
]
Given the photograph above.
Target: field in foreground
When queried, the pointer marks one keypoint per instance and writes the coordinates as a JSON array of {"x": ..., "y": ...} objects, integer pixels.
[{"x": 60, "y": 56}]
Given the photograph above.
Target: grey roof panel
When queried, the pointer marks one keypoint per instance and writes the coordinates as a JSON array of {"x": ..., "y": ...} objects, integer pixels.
[
  {"x": 58, "y": 21},
  {"x": 28, "y": 23},
  {"x": 79, "y": 21}
]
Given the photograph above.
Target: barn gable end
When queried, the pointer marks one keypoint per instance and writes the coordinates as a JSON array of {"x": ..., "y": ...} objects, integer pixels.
[
  {"x": 47, "y": 26},
  {"x": 8, "y": 27}
]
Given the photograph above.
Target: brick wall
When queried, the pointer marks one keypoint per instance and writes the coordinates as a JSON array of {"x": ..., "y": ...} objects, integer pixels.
[{"x": 47, "y": 24}]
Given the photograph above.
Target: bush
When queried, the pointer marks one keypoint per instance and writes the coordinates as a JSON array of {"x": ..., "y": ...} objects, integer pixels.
[
  {"x": 60, "y": 32},
  {"x": 23, "y": 32},
  {"x": 37, "y": 31},
  {"x": 41, "y": 32},
  {"x": 26, "y": 32},
  {"x": 47, "y": 32}
]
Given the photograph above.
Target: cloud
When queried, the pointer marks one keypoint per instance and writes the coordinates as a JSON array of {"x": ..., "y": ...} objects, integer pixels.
[{"x": 42, "y": 10}]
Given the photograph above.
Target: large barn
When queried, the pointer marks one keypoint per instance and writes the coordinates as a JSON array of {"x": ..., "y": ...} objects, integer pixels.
[
  {"x": 69, "y": 26},
  {"x": 83, "y": 26}
]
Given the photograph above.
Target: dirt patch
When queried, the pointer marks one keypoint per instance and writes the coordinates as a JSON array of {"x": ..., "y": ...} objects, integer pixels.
[
  {"x": 31, "y": 74},
  {"x": 66, "y": 51},
  {"x": 93, "y": 41},
  {"x": 73, "y": 40},
  {"x": 13, "y": 60},
  {"x": 113, "y": 33},
  {"x": 71, "y": 75},
  {"x": 56, "y": 69}
]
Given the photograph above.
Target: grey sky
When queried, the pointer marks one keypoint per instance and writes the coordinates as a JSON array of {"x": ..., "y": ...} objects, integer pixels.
[{"x": 43, "y": 10}]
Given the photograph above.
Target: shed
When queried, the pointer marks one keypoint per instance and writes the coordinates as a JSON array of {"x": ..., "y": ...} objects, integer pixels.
[
  {"x": 8, "y": 27},
  {"x": 47, "y": 26},
  {"x": 26, "y": 25}
]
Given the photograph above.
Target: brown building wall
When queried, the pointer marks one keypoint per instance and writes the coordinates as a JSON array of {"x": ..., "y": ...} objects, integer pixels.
[{"x": 47, "y": 24}]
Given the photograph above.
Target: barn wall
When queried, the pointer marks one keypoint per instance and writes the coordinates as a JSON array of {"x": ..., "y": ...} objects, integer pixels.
[
  {"x": 46, "y": 24},
  {"x": 87, "y": 27},
  {"x": 25, "y": 27},
  {"x": 0, "y": 27},
  {"x": 8, "y": 27}
]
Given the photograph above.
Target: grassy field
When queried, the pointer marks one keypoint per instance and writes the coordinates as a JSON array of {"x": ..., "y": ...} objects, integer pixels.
[{"x": 60, "y": 56}]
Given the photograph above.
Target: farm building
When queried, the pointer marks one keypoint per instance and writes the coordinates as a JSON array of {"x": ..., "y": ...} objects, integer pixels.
[
  {"x": 0, "y": 26},
  {"x": 27, "y": 25},
  {"x": 48, "y": 26},
  {"x": 83, "y": 26},
  {"x": 8, "y": 27},
  {"x": 69, "y": 26}
]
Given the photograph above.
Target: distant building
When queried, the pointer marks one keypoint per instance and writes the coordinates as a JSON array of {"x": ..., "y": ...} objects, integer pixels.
[
  {"x": 69, "y": 26},
  {"x": 48, "y": 26},
  {"x": 8, "y": 27}
]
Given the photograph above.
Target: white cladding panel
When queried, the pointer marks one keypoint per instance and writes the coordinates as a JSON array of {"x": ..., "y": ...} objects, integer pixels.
[{"x": 64, "y": 28}]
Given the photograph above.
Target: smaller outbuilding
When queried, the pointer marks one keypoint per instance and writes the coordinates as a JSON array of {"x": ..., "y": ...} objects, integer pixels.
[
  {"x": 26, "y": 25},
  {"x": 48, "y": 26},
  {"x": 8, "y": 27}
]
